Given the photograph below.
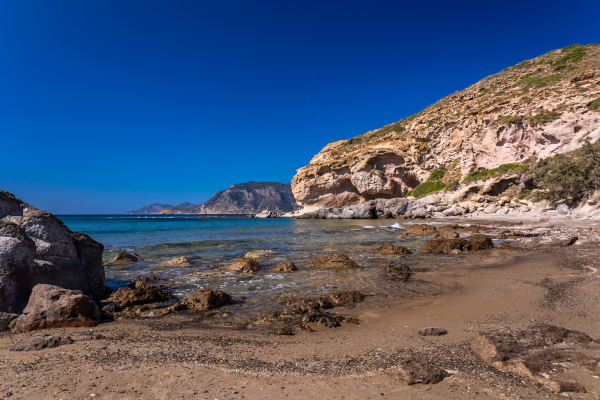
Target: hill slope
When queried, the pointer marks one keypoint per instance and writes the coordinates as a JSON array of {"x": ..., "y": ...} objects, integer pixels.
[
  {"x": 151, "y": 209},
  {"x": 537, "y": 108},
  {"x": 244, "y": 198}
]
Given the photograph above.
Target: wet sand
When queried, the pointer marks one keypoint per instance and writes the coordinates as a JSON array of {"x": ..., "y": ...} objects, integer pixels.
[{"x": 177, "y": 356}]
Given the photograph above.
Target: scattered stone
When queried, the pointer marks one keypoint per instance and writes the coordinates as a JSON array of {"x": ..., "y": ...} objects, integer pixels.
[
  {"x": 257, "y": 254},
  {"x": 40, "y": 342},
  {"x": 534, "y": 352},
  {"x": 125, "y": 257},
  {"x": 205, "y": 299},
  {"x": 337, "y": 261},
  {"x": 179, "y": 262},
  {"x": 244, "y": 265},
  {"x": 127, "y": 297},
  {"x": 393, "y": 249},
  {"x": 401, "y": 271},
  {"x": 411, "y": 372},
  {"x": 54, "y": 307},
  {"x": 432, "y": 331},
  {"x": 285, "y": 267}
]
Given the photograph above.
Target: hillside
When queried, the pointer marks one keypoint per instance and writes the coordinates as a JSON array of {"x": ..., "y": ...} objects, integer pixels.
[
  {"x": 244, "y": 198},
  {"x": 151, "y": 209},
  {"x": 535, "y": 109}
]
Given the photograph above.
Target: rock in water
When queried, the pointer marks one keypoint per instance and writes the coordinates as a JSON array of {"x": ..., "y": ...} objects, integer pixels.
[
  {"x": 244, "y": 265},
  {"x": 445, "y": 246},
  {"x": 179, "y": 262},
  {"x": 401, "y": 271},
  {"x": 342, "y": 298},
  {"x": 285, "y": 267},
  {"x": 337, "y": 261},
  {"x": 35, "y": 343},
  {"x": 432, "y": 331},
  {"x": 205, "y": 299},
  {"x": 411, "y": 372},
  {"x": 393, "y": 249},
  {"x": 35, "y": 247},
  {"x": 125, "y": 257},
  {"x": 54, "y": 307},
  {"x": 127, "y": 297}
]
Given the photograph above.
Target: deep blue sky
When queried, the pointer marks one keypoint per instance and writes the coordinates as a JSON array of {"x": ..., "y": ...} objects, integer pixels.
[{"x": 107, "y": 106}]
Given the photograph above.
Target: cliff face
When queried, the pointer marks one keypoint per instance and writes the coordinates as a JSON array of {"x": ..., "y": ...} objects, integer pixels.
[
  {"x": 537, "y": 108},
  {"x": 244, "y": 198}
]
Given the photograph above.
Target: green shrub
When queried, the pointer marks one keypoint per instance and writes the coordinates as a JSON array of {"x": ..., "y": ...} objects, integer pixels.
[
  {"x": 437, "y": 174},
  {"x": 524, "y": 193},
  {"x": 573, "y": 54},
  {"x": 490, "y": 172},
  {"x": 542, "y": 118},
  {"x": 428, "y": 187},
  {"x": 535, "y": 81},
  {"x": 509, "y": 120},
  {"x": 527, "y": 100},
  {"x": 595, "y": 105},
  {"x": 409, "y": 193}
]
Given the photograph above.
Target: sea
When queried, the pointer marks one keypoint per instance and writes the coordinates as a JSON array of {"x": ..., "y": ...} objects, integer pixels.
[{"x": 211, "y": 243}]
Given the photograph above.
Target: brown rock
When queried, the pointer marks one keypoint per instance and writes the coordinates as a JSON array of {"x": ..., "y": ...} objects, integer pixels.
[
  {"x": 143, "y": 281},
  {"x": 244, "y": 265},
  {"x": 337, "y": 261},
  {"x": 205, "y": 299},
  {"x": 420, "y": 229},
  {"x": 126, "y": 297},
  {"x": 306, "y": 304},
  {"x": 401, "y": 271},
  {"x": 432, "y": 331},
  {"x": 124, "y": 257},
  {"x": 535, "y": 351},
  {"x": 179, "y": 262},
  {"x": 341, "y": 298},
  {"x": 412, "y": 371},
  {"x": 5, "y": 320},
  {"x": 54, "y": 307},
  {"x": 446, "y": 234},
  {"x": 256, "y": 254},
  {"x": 35, "y": 343},
  {"x": 393, "y": 249},
  {"x": 479, "y": 242},
  {"x": 285, "y": 267},
  {"x": 443, "y": 246}
]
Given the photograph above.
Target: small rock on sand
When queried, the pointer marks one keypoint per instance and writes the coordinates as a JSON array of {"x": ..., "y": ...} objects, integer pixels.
[
  {"x": 389, "y": 248},
  {"x": 432, "y": 331},
  {"x": 412, "y": 371},
  {"x": 35, "y": 343}
]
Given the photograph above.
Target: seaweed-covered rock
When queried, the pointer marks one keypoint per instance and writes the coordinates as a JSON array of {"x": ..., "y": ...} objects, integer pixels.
[
  {"x": 401, "y": 271},
  {"x": 335, "y": 261},
  {"x": 287, "y": 266},
  {"x": 389, "y": 248},
  {"x": 244, "y": 265}
]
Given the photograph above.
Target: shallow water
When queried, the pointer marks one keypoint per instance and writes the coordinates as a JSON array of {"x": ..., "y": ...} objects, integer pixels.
[{"x": 213, "y": 242}]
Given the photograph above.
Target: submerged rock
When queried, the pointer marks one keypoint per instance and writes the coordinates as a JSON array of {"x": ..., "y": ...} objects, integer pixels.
[
  {"x": 244, "y": 265},
  {"x": 401, "y": 271},
  {"x": 285, "y": 267},
  {"x": 389, "y": 248},
  {"x": 411, "y": 372},
  {"x": 337, "y": 261},
  {"x": 179, "y": 262},
  {"x": 54, "y": 307},
  {"x": 35, "y": 343},
  {"x": 125, "y": 257},
  {"x": 205, "y": 299},
  {"x": 535, "y": 352}
]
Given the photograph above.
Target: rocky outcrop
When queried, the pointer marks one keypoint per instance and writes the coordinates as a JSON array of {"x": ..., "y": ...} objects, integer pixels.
[
  {"x": 537, "y": 108},
  {"x": 244, "y": 198},
  {"x": 37, "y": 248},
  {"x": 54, "y": 307}
]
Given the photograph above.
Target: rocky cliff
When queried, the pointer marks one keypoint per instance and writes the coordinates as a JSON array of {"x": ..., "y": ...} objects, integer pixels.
[
  {"x": 537, "y": 108},
  {"x": 244, "y": 198},
  {"x": 36, "y": 248}
]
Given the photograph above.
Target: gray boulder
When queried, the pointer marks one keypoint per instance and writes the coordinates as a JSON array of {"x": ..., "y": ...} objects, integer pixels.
[
  {"x": 37, "y": 248},
  {"x": 562, "y": 209}
]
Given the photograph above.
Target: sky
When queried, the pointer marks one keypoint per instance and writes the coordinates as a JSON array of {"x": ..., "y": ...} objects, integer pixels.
[{"x": 107, "y": 106}]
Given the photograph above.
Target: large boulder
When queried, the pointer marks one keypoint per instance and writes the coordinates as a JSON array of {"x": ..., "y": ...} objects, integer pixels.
[
  {"x": 54, "y": 307},
  {"x": 37, "y": 248}
]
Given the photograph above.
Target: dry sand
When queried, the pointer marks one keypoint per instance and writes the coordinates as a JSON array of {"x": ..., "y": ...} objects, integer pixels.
[{"x": 176, "y": 357}]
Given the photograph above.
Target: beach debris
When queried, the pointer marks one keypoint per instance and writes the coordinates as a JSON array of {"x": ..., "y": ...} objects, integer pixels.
[
  {"x": 178, "y": 262},
  {"x": 125, "y": 257},
  {"x": 411, "y": 372},
  {"x": 536, "y": 352},
  {"x": 51, "y": 306},
  {"x": 337, "y": 261},
  {"x": 257, "y": 254},
  {"x": 401, "y": 271},
  {"x": 244, "y": 265},
  {"x": 285, "y": 267},
  {"x": 35, "y": 343},
  {"x": 205, "y": 299},
  {"x": 432, "y": 331},
  {"x": 389, "y": 248}
]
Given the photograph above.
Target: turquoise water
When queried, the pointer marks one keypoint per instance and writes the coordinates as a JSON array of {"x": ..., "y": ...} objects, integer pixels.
[{"x": 211, "y": 243}]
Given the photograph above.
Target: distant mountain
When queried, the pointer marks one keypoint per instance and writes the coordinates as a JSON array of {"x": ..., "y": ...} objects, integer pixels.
[
  {"x": 243, "y": 198},
  {"x": 151, "y": 209}
]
